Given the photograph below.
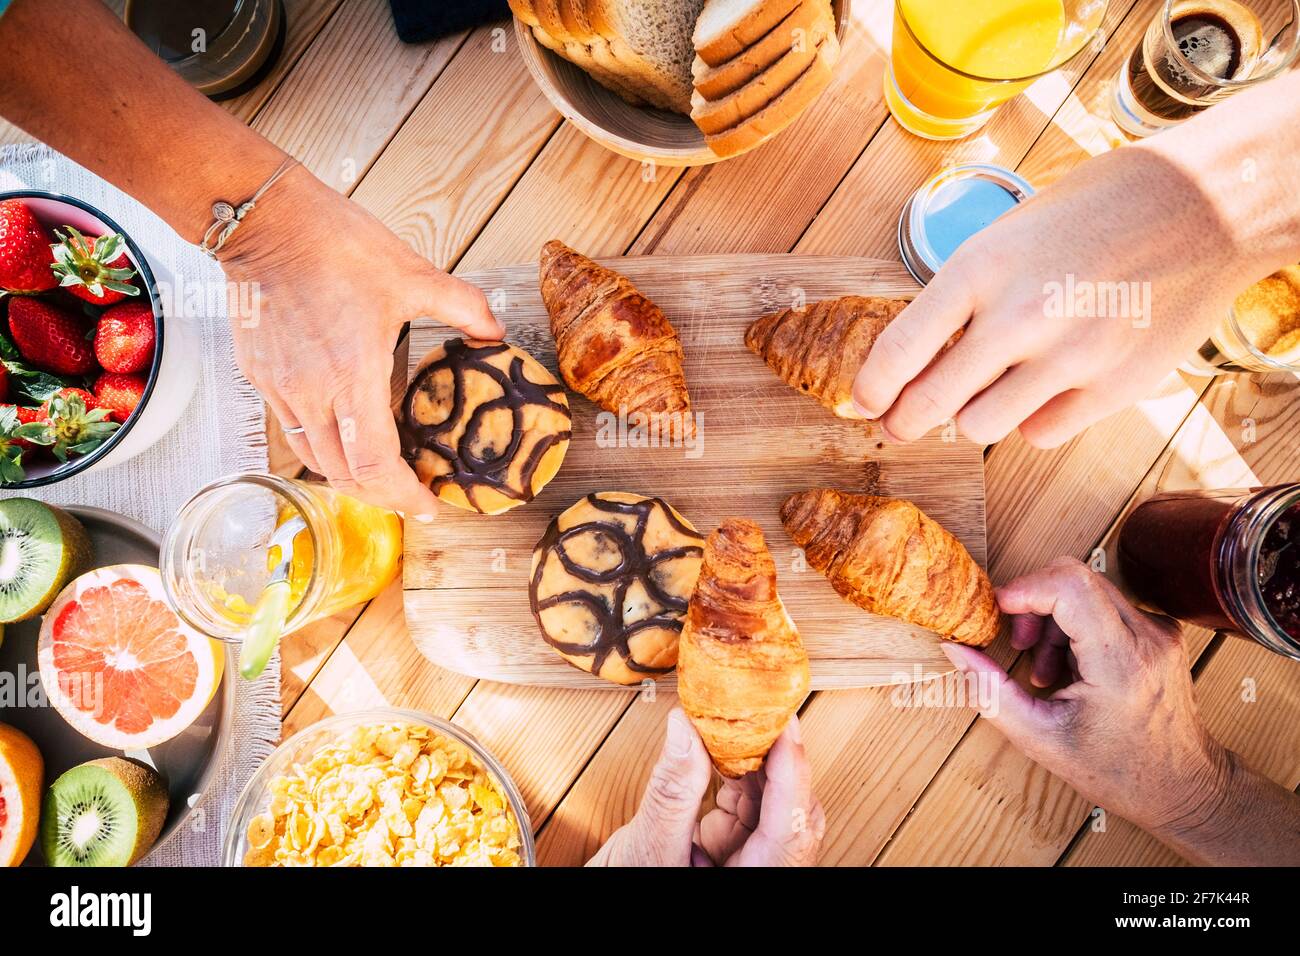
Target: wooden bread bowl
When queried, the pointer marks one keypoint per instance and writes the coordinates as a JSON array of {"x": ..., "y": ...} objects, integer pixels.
[{"x": 640, "y": 133}]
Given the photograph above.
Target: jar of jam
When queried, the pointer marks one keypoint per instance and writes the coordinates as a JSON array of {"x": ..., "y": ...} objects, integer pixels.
[{"x": 1227, "y": 559}]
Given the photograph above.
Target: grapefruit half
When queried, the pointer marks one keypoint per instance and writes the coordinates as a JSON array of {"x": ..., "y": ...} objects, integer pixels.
[
  {"x": 21, "y": 770},
  {"x": 119, "y": 665}
]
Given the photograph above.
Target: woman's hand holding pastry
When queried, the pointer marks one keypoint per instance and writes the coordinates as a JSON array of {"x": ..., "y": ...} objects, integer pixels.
[
  {"x": 332, "y": 292},
  {"x": 766, "y": 818}
]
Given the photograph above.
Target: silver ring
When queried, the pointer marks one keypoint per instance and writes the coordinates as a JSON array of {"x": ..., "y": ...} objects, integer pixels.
[{"x": 297, "y": 430}]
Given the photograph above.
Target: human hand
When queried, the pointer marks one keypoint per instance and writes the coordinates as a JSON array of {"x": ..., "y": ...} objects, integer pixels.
[
  {"x": 768, "y": 818},
  {"x": 1125, "y": 731},
  {"x": 660, "y": 833},
  {"x": 334, "y": 290},
  {"x": 1035, "y": 357}
]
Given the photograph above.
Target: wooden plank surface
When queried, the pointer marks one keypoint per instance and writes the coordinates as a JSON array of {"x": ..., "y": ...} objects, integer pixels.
[
  {"x": 455, "y": 149},
  {"x": 873, "y": 753},
  {"x": 1145, "y": 442},
  {"x": 350, "y": 92},
  {"x": 466, "y": 575}
]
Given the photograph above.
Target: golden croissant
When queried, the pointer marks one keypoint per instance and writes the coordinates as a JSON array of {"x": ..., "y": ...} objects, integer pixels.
[
  {"x": 614, "y": 345},
  {"x": 818, "y": 349},
  {"x": 741, "y": 669},
  {"x": 886, "y": 556}
]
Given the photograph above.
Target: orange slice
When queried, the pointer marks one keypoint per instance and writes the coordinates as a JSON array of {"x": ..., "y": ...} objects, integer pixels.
[
  {"x": 119, "y": 665},
  {"x": 21, "y": 770}
]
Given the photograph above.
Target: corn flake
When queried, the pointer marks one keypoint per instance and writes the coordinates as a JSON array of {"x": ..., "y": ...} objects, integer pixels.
[{"x": 386, "y": 795}]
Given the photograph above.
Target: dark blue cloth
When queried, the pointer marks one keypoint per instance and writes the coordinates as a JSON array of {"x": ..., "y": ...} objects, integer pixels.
[{"x": 421, "y": 20}]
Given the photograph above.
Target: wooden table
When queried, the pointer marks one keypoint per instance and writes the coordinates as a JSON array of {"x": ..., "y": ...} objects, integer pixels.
[{"x": 454, "y": 148}]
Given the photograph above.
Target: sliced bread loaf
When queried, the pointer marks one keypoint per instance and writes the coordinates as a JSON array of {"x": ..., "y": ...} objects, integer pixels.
[
  {"x": 714, "y": 116},
  {"x": 652, "y": 42},
  {"x": 726, "y": 27},
  {"x": 782, "y": 111},
  {"x": 550, "y": 18},
  {"x": 573, "y": 14},
  {"x": 807, "y": 25}
]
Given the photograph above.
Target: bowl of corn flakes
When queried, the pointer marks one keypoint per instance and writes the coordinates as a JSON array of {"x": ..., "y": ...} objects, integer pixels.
[{"x": 380, "y": 787}]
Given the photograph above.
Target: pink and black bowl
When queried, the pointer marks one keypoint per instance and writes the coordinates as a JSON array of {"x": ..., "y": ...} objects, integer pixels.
[{"x": 171, "y": 376}]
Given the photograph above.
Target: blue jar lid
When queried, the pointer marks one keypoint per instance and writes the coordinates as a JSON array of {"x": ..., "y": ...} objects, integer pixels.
[{"x": 951, "y": 208}]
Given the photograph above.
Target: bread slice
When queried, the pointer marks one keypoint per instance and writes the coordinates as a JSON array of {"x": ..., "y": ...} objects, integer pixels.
[
  {"x": 783, "y": 110},
  {"x": 652, "y": 41},
  {"x": 523, "y": 9},
  {"x": 808, "y": 24},
  {"x": 726, "y": 27},
  {"x": 718, "y": 115},
  {"x": 607, "y": 70},
  {"x": 549, "y": 17}
]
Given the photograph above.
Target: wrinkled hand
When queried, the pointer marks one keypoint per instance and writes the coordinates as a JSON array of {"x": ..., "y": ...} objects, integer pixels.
[
  {"x": 1124, "y": 731},
  {"x": 1127, "y": 217},
  {"x": 769, "y": 818},
  {"x": 336, "y": 287}
]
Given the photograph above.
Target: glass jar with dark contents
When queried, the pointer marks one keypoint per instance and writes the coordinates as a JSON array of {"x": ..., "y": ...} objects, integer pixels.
[{"x": 1227, "y": 559}]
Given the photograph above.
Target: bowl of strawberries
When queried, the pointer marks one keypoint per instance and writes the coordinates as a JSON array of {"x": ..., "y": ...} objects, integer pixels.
[{"x": 81, "y": 343}]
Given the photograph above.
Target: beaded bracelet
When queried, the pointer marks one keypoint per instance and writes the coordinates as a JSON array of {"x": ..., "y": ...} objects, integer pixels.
[{"x": 228, "y": 216}]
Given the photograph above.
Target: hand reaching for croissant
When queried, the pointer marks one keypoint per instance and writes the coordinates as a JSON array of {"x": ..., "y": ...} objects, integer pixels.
[
  {"x": 1175, "y": 220},
  {"x": 1124, "y": 729},
  {"x": 767, "y": 818}
]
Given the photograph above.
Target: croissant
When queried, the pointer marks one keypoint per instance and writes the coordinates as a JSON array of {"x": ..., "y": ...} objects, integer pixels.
[
  {"x": 614, "y": 345},
  {"x": 818, "y": 349},
  {"x": 741, "y": 669},
  {"x": 886, "y": 556}
]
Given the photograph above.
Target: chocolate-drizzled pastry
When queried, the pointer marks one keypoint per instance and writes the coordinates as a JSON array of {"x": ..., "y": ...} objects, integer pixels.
[
  {"x": 484, "y": 425},
  {"x": 611, "y": 579}
]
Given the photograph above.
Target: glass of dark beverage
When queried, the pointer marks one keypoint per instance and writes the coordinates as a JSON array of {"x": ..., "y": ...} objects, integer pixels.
[
  {"x": 221, "y": 47},
  {"x": 1226, "y": 559},
  {"x": 1198, "y": 52}
]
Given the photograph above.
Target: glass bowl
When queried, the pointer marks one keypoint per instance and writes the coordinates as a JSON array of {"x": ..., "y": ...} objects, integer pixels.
[{"x": 256, "y": 796}]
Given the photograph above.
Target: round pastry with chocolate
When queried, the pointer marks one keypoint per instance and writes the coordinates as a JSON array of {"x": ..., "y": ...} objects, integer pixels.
[
  {"x": 484, "y": 425},
  {"x": 611, "y": 579}
]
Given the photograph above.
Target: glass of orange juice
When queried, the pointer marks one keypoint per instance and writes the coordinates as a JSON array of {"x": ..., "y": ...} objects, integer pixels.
[
  {"x": 954, "y": 63},
  {"x": 217, "y": 556}
]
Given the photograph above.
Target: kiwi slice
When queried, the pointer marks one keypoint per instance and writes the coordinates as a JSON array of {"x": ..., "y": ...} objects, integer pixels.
[
  {"x": 41, "y": 548},
  {"x": 107, "y": 812}
]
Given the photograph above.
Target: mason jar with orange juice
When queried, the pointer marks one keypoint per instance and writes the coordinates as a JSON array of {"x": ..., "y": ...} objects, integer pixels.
[
  {"x": 218, "y": 556},
  {"x": 954, "y": 64}
]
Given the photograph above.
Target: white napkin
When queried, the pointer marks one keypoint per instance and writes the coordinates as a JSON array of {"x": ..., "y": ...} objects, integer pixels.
[{"x": 221, "y": 432}]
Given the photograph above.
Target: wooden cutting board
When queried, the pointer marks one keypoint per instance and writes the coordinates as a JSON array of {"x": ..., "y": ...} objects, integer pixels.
[{"x": 466, "y": 575}]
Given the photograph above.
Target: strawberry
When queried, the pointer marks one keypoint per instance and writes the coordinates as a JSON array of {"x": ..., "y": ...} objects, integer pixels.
[
  {"x": 93, "y": 268},
  {"x": 24, "y": 250},
  {"x": 26, "y": 416},
  {"x": 120, "y": 394},
  {"x": 70, "y": 427},
  {"x": 4, "y": 382},
  {"x": 51, "y": 338},
  {"x": 124, "y": 338},
  {"x": 16, "y": 437},
  {"x": 87, "y": 399}
]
